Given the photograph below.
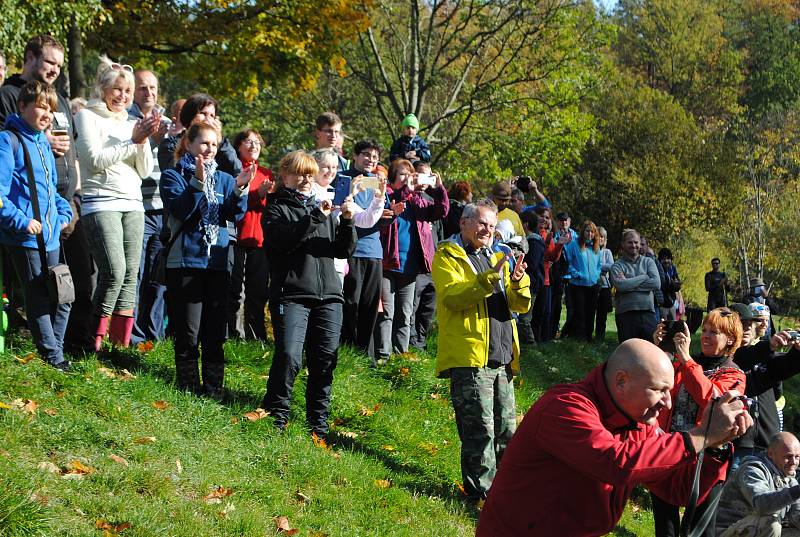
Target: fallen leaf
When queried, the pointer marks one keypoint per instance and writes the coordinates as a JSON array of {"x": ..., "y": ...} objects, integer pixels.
[
  {"x": 77, "y": 467},
  {"x": 25, "y": 359},
  {"x": 283, "y": 526},
  {"x": 461, "y": 488},
  {"x": 255, "y": 415},
  {"x": 364, "y": 411},
  {"x": 302, "y": 498},
  {"x": 51, "y": 412},
  {"x": 319, "y": 442},
  {"x": 118, "y": 459},
  {"x": 348, "y": 434},
  {"x": 145, "y": 346},
  {"x": 30, "y": 406},
  {"x": 338, "y": 422},
  {"x": 229, "y": 508},
  {"x": 388, "y": 447},
  {"x": 3, "y": 405},
  {"x": 126, "y": 375},
  {"x": 110, "y": 373},
  {"x": 429, "y": 447},
  {"x": 178, "y": 466},
  {"x": 383, "y": 483},
  {"x": 145, "y": 440},
  {"x": 40, "y": 498},
  {"x": 216, "y": 495},
  {"x": 49, "y": 467},
  {"x": 160, "y": 405},
  {"x": 403, "y": 371},
  {"x": 234, "y": 420},
  {"x": 111, "y": 528},
  {"x": 436, "y": 396}
]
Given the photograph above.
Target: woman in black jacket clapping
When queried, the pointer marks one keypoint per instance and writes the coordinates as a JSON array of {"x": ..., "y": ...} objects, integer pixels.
[{"x": 306, "y": 299}]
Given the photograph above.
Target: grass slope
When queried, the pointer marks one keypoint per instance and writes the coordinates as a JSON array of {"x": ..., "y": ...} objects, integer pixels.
[{"x": 92, "y": 452}]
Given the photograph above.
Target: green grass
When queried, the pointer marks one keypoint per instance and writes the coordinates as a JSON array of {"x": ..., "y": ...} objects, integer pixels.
[{"x": 392, "y": 425}]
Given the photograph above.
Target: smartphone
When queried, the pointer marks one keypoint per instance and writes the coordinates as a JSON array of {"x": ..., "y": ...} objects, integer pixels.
[
  {"x": 673, "y": 328},
  {"x": 57, "y": 131},
  {"x": 326, "y": 195},
  {"x": 342, "y": 189},
  {"x": 426, "y": 179},
  {"x": 371, "y": 182}
]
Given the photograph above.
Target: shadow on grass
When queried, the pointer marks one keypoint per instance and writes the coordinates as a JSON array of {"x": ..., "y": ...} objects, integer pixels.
[{"x": 412, "y": 477}]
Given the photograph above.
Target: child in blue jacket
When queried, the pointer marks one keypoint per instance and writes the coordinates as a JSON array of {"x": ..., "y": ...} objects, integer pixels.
[
  {"x": 410, "y": 146},
  {"x": 18, "y": 227}
]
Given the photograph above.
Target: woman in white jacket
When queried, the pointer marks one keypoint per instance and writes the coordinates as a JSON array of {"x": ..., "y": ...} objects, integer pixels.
[{"x": 114, "y": 157}]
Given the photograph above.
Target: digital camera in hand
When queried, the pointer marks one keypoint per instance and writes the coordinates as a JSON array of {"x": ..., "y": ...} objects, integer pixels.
[{"x": 673, "y": 328}]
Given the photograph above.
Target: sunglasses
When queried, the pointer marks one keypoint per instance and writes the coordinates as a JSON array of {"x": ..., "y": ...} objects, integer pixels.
[{"x": 122, "y": 67}]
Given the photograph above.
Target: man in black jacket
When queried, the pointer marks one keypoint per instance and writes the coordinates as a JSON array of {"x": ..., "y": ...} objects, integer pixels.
[
  {"x": 43, "y": 59},
  {"x": 764, "y": 370}
]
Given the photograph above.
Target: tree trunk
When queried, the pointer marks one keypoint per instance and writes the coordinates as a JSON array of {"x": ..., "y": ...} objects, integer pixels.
[{"x": 77, "y": 79}]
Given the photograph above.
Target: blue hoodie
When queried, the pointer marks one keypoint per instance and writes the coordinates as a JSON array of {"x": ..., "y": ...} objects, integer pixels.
[
  {"x": 584, "y": 265},
  {"x": 16, "y": 210}
]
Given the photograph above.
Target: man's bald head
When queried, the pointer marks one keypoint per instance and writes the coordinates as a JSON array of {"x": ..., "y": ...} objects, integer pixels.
[
  {"x": 639, "y": 377},
  {"x": 784, "y": 452}
]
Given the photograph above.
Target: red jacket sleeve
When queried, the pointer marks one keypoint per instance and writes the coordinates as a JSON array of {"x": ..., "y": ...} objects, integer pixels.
[
  {"x": 703, "y": 388},
  {"x": 575, "y": 434}
]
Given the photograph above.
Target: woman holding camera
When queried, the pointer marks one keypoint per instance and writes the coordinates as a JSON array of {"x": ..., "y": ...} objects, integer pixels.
[
  {"x": 408, "y": 249},
  {"x": 698, "y": 380}
]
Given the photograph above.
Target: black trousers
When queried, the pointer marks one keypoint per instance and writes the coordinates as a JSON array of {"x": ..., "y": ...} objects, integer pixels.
[
  {"x": 76, "y": 253},
  {"x": 584, "y": 306},
  {"x": 251, "y": 272},
  {"x": 424, "y": 310},
  {"x": 636, "y": 324},
  {"x": 603, "y": 303},
  {"x": 540, "y": 315},
  {"x": 667, "y": 518},
  {"x": 317, "y": 325},
  {"x": 557, "y": 286},
  {"x": 198, "y": 298},
  {"x": 362, "y": 292}
]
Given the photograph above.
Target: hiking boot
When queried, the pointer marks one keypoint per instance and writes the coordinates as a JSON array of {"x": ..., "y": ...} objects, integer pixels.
[{"x": 64, "y": 366}]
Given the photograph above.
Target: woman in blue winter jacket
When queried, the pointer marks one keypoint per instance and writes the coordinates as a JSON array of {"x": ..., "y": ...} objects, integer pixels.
[
  {"x": 583, "y": 255},
  {"x": 199, "y": 201},
  {"x": 19, "y": 227}
]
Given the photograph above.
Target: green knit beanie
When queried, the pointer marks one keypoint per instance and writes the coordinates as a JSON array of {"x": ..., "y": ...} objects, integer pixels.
[{"x": 411, "y": 121}]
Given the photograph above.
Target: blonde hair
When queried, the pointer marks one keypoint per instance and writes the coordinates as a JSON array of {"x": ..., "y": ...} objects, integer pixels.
[
  {"x": 298, "y": 163},
  {"x": 108, "y": 73}
]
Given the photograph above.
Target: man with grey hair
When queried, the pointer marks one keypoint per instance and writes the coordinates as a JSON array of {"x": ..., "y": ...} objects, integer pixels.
[
  {"x": 149, "y": 318},
  {"x": 762, "y": 498},
  {"x": 478, "y": 286},
  {"x": 3, "y": 67},
  {"x": 635, "y": 277}
]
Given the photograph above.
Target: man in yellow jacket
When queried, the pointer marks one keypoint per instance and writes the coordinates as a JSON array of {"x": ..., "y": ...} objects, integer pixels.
[{"x": 478, "y": 286}]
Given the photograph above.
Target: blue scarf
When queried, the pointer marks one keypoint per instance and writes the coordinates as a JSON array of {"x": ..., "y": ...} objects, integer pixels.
[{"x": 209, "y": 207}]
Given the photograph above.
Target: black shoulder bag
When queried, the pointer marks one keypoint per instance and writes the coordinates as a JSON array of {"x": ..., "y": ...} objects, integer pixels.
[{"x": 59, "y": 279}]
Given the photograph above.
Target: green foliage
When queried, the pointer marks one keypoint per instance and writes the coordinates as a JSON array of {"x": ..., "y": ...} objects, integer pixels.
[
  {"x": 21, "y": 514},
  {"x": 693, "y": 253}
]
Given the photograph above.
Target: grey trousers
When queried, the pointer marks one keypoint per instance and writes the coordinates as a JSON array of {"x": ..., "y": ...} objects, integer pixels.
[
  {"x": 115, "y": 241},
  {"x": 393, "y": 329}
]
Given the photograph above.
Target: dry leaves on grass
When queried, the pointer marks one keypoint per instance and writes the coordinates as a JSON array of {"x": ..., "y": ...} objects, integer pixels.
[
  {"x": 117, "y": 375},
  {"x": 255, "y": 415},
  {"x": 118, "y": 459},
  {"x": 365, "y": 411},
  {"x": 388, "y": 447},
  {"x": 319, "y": 442},
  {"x": 383, "y": 483},
  {"x": 302, "y": 498},
  {"x": 216, "y": 495},
  {"x": 48, "y": 467},
  {"x": 348, "y": 434},
  {"x": 145, "y": 440},
  {"x": 111, "y": 528},
  {"x": 28, "y": 406},
  {"x": 429, "y": 447},
  {"x": 228, "y": 509},
  {"x": 76, "y": 467},
  {"x": 51, "y": 412},
  {"x": 145, "y": 347},
  {"x": 25, "y": 359},
  {"x": 160, "y": 405},
  {"x": 283, "y": 526}
]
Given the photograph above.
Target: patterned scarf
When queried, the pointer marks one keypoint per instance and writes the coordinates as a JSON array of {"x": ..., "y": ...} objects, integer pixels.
[{"x": 209, "y": 207}]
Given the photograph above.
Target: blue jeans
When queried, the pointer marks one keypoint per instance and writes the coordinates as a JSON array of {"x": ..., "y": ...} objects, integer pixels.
[
  {"x": 149, "y": 323},
  {"x": 316, "y": 324},
  {"x": 47, "y": 321}
]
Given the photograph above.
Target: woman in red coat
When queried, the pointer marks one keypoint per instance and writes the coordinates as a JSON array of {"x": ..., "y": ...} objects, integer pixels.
[
  {"x": 250, "y": 269},
  {"x": 698, "y": 380}
]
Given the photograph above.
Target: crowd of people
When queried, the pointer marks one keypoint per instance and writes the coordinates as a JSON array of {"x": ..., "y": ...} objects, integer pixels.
[{"x": 170, "y": 228}]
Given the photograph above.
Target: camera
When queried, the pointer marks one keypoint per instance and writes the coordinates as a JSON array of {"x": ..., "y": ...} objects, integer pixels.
[
  {"x": 748, "y": 402},
  {"x": 524, "y": 183},
  {"x": 672, "y": 329},
  {"x": 794, "y": 335}
]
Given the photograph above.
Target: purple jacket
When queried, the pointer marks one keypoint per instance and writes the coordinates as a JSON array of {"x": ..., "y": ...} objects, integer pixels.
[{"x": 423, "y": 212}]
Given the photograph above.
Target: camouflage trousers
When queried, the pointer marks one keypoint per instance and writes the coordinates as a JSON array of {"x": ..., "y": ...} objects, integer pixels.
[{"x": 483, "y": 400}]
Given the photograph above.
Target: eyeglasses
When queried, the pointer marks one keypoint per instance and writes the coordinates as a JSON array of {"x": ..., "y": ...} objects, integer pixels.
[
  {"x": 252, "y": 143},
  {"x": 122, "y": 67},
  {"x": 332, "y": 132},
  {"x": 369, "y": 155}
]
